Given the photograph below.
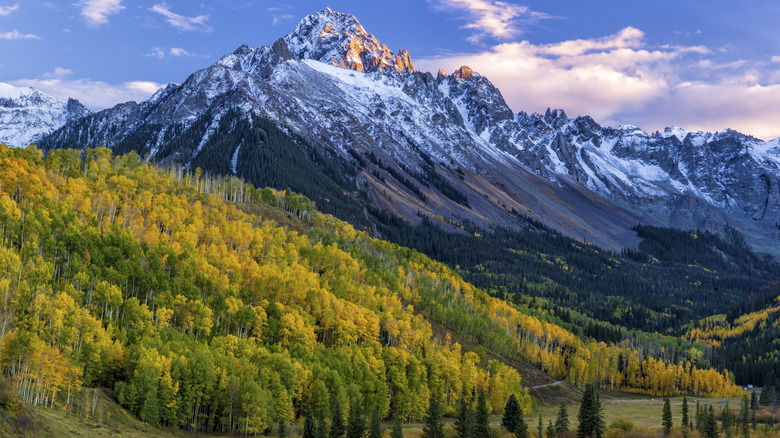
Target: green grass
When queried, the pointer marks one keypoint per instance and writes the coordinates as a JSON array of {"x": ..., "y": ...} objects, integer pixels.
[
  {"x": 109, "y": 420},
  {"x": 643, "y": 411}
]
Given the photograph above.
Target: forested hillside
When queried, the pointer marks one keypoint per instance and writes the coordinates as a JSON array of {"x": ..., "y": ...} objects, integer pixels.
[
  {"x": 745, "y": 340},
  {"x": 162, "y": 286},
  {"x": 673, "y": 277}
]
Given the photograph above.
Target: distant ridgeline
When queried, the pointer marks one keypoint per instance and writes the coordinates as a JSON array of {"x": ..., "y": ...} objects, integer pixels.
[{"x": 200, "y": 314}]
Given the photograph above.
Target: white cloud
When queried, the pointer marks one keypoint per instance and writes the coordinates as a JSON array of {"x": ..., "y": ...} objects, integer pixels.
[
  {"x": 493, "y": 18},
  {"x": 621, "y": 79},
  {"x": 6, "y": 10},
  {"x": 97, "y": 11},
  {"x": 157, "y": 52},
  {"x": 776, "y": 59},
  {"x": 16, "y": 35},
  {"x": 696, "y": 106},
  {"x": 93, "y": 94},
  {"x": 176, "y": 52},
  {"x": 281, "y": 14},
  {"x": 181, "y": 22},
  {"x": 278, "y": 19},
  {"x": 58, "y": 72}
]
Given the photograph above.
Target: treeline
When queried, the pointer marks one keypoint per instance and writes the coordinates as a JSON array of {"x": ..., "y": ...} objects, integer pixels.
[{"x": 267, "y": 156}]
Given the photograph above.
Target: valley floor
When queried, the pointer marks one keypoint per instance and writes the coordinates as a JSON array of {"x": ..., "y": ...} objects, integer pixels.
[{"x": 111, "y": 420}]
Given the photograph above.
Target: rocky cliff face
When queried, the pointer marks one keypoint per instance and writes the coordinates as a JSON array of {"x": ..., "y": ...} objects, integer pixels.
[
  {"x": 26, "y": 114},
  {"x": 338, "y": 39},
  {"x": 678, "y": 178},
  {"x": 448, "y": 147}
]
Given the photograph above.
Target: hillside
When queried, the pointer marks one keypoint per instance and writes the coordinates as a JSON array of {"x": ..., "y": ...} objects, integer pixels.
[
  {"x": 672, "y": 278},
  {"x": 165, "y": 287}
]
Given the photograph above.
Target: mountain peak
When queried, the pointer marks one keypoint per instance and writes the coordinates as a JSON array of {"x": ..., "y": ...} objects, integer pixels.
[
  {"x": 26, "y": 114},
  {"x": 464, "y": 73},
  {"x": 8, "y": 91},
  {"x": 339, "y": 39}
]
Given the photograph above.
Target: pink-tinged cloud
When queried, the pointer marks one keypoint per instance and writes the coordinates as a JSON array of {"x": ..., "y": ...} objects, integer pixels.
[
  {"x": 619, "y": 79},
  {"x": 96, "y": 95},
  {"x": 97, "y": 12},
  {"x": 493, "y": 18},
  {"x": 750, "y": 109},
  {"x": 176, "y": 52},
  {"x": 16, "y": 35},
  {"x": 6, "y": 10},
  {"x": 181, "y": 22}
]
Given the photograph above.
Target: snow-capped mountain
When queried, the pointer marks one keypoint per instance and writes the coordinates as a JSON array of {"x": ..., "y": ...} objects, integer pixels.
[
  {"x": 682, "y": 179},
  {"x": 26, "y": 114},
  {"x": 446, "y": 147}
]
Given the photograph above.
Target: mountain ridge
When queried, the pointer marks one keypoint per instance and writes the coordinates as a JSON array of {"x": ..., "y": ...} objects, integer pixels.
[
  {"x": 27, "y": 115},
  {"x": 335, "y": 85}
]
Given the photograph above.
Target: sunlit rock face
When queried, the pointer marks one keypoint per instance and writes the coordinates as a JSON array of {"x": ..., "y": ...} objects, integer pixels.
[
  {"x": 338, "y": 39},
  {"x": 448, "y": 146}
]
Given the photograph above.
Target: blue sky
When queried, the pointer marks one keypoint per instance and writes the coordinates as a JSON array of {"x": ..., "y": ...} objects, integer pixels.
[{"x": 702, "y": 65}]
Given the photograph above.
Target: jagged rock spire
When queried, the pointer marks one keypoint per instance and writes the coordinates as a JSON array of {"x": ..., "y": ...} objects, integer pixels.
[
  {"x": 339, "y": 39},
  {"x": 464, "y": 73}
]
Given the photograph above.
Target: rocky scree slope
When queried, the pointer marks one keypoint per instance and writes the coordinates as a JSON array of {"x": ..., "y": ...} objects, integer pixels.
[{"x": 445, "y": 147}]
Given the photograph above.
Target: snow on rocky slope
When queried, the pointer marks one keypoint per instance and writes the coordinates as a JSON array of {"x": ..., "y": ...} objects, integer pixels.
[
  {"x": 333, "y": 83},
  {"x": 26, "y": 114}
]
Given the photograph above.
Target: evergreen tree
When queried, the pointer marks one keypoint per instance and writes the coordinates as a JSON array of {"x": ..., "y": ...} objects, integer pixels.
[
  {"x": 562, "y": 421},
  {"x": 753, "y": 420},
  {"x": 744, "y": 417},
  {"x": 463, "y": 417},
  {"x": 540, "y": 426},
  {"x": 753, "y": 408},
  {"x": 550, "y": 429},
  {"x": 356, "y": 423},
  {"x": 590, "y": 416},
  {"x": 727, "y": 420},
  {"x": 685, "y": 420},
  {"x": 767, "y": 392},
  {"x": 375, "y": 428},
  {"x": 481, "y": 427},
  {"x": 433, "y": 427},
  {"x": 512, "y": 414},
  {"x": 600, "y": 425},
  {"x": 709, "y": 424},
  {"x": 282, "y": 428},
  {"x": 699, "y": 418},
  {"x": 337, "y": 428},
  {"x": 521, "y": 429},
  {"x": 309, "y": 427},
  {"x": 398, "y": 430},
  {"x": 322, "y": 425},
  {"x": 667, "y": 417}
]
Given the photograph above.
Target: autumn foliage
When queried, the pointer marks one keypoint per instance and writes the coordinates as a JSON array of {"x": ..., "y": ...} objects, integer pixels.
[{"x": 158, "y": 285}]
